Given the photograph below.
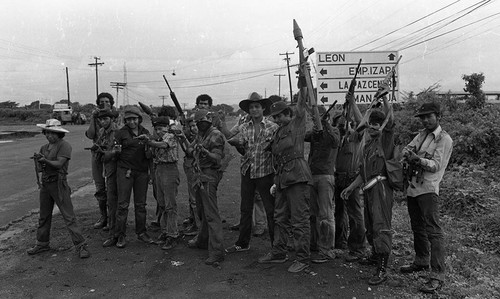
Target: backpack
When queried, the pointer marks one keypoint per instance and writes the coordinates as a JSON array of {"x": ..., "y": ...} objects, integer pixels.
[{"x": 395, "y": 175}]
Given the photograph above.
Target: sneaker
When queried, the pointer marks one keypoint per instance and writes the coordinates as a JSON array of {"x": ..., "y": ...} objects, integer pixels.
[
  {"x": 144, "y": 237},
  {"x": 297, "y": 266},
  {"x": 372, "y": 260},
  {"x": 38, "y": 249},
  {"x": 191, "y": 230},
  {"x": 106, "y": 228},
  {"x": 193, "y": 243},
  {"x": 110, "y": 242},
  {"x": 122, "y": 242},
  {"x": 236, "y": 248},
  {"x": 379, "y": 277},
  {"x": 162, "y": 238},
  {"x": 83, "y": 251},
  {"x": 352, "y": 257},
  {"x": 102, "y": 222},
  {"x": 170, "y": 243},
  {"x": 271, "y": 258},
  {"x": 259, "y": 232},
  {"x": 322, "y": 258},
  {"x": 214, "y": 260},
  {"x": 413, "y": 268},
  {"x": 235, "y": 227},
  {"x": 431, "y": 286}
]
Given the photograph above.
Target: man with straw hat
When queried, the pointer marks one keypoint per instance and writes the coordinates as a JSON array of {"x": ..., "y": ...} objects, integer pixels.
[{"x": 53, "y": 160}]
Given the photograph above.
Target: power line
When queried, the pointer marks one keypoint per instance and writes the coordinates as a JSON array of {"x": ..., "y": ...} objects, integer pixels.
[{"x": 407, "y": 25}]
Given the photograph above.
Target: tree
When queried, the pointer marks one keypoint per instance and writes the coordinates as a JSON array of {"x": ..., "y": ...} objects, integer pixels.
[
  {"x": 8, "y": 104},
  {"x": 473, "y": 85}
]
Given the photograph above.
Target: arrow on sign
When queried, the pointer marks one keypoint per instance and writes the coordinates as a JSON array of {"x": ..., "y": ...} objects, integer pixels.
[
  {"x": 323, "y": 85},
  {"x": 323, "y": 72},
  {"x": 391, "y": 56},
  {"x": 324, "y": 99}
]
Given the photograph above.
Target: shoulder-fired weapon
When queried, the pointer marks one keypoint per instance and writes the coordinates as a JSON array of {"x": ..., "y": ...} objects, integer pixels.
[{"x": 297, "y": 34}]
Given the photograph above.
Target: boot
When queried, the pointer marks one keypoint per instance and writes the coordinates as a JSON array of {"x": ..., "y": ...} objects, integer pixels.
[
  {"x": 103, "y": 221},
  {"x": 381, "y": 273}
]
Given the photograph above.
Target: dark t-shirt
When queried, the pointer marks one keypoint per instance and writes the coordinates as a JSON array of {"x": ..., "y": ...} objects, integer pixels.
[
  {"x": 323, "y": 153},
  {"x": 52, "y": 151},
  {"x": 133, "y": 154}
]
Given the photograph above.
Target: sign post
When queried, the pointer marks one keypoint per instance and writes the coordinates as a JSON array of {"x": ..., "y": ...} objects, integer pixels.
[{"x": 336, "y": 69}]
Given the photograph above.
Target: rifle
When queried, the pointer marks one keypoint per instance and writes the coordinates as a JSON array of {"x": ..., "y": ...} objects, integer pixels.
[
  {"x": 325, "y": 115},
  {"x": 37, "y": 169},
  {"x": 174, "y": 99},
  {"x": 297, "y": 34},
  {"x": 382, "y": 91},
  {"x": 350, "y": 95}
]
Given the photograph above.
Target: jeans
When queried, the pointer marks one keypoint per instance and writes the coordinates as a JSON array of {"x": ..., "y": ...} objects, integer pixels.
[
  {"x": 193, "y": 211},
  {"x": 323, "y": 224},
  {"x": 167, "y": 181},
  {"x": 248, "y": 188},
  {"x": 349, "y": 220},
  {"x": 57, "y": 192},
  {"x": 98, "y": 177},
  {"x": 112, "y": 196},
  {"x": 137, "y": 181},
  {"x": 378, "y": 217},
  {"x": 428, "y": 236},
  {"x": 210, "y": 233},
  {"x": 292, "y": 212}
]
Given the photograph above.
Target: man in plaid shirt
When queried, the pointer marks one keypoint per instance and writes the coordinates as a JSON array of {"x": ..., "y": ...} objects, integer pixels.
[{"x": 257, "y": 171}]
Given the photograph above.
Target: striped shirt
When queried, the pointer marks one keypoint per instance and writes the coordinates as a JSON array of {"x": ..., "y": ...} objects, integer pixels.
[{"x": 258, "y": 157}]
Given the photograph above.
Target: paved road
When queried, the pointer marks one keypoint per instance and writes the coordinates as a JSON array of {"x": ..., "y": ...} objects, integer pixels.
[{"x": 18, "y": 189}]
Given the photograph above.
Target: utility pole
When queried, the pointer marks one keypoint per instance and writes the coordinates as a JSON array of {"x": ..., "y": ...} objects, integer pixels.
[
  {"x": 67, "y": 87},
  {"x": 96, "y": 64},
  {"x": 279, "y": 83},
  {"x": 163, "y": 100},
  {"x": 288, "y": 67},
  {"x": 117, "y": 86}
]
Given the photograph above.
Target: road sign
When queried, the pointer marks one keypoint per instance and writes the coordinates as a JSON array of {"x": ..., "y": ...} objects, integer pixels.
[{"x": 335, "y": 71}]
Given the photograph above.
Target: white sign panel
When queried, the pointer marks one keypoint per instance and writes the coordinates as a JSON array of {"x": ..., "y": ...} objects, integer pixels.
[{"x": 336, "y": 69}]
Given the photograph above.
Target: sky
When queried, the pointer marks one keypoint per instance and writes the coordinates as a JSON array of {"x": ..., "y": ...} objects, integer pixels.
[{"x": 230, "y": 48}]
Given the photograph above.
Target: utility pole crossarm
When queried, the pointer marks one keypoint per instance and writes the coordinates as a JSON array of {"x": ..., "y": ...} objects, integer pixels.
[
  {"x": 96, "y": 64},
  {"x": 288, "y": 67}
]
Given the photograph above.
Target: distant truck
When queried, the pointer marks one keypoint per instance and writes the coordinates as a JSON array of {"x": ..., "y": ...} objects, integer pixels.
[{"x": 63, "y": 112}]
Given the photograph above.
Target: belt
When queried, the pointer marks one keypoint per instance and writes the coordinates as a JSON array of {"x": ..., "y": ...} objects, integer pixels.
[
  {"x": 373, "y": 182},
  {"x": 287, "y": 157}
]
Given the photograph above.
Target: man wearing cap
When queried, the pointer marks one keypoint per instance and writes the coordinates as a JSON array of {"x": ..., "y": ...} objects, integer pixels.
[
  {"x": 322, "y": 156},
  {"x": 378, "y": 194},
  {"x": 208, "y": 151},
  {"x": 165, "y": 156},
  {"x": 132, "y": 174},
  {"x": 107, "y": 155},
  {"x": 430, "y": 151},
  {"x": 104, "y": 101},
  {"x": 292, "y": 181},
  {"x": 53, "y": 160},
  {"x": 257, "y": 173}
]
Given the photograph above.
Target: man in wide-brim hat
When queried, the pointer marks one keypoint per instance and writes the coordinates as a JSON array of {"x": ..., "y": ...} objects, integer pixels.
[
  {"x": 257, "y": 173},
  {"x": 256, "y": 98},
  {"x": 53, "y": 159}
]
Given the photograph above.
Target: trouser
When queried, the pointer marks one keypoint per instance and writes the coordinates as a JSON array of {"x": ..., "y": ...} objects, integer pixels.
[
  {"x": 57, "y": 192},
  {"x": 378, "y": 217},
  {"x": 248, "y": 188},
  {"x": 210, "y": 233},
  {"x": 167, "y": 181},
  {"x": 292, "y": 212},
  {"x": 138, "y": 181},
  {"x": 349, "y": 220},
  {"x": 98, "y": 177},
  {"x": 428, "y": 236},
  {"x": 259, "y": 213},
  {"x": 322, "y": 221},
  {"x": 112, "y": 197},
  {"x": 193, "y": 211}
]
